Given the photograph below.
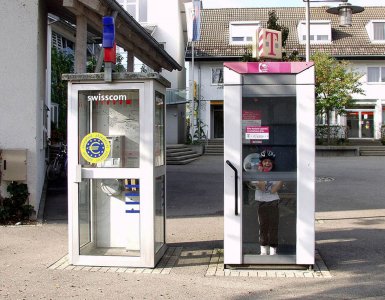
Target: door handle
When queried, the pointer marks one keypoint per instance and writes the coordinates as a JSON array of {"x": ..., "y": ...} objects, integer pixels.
[
  {"x": 235, "y": 185},
  {"x": 78, "y": 174}
]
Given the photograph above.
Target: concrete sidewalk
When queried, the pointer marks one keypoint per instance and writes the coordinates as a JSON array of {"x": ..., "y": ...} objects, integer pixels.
[{"x": 349, "y": 233}]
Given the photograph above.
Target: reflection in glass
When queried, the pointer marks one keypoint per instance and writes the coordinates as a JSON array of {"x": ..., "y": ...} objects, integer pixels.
[
  {"x": 84, "y": 213},
  {"x": 159, "y": 130},
  {"x": 159, "y": 212},
  {"x": 113, "y": 217},
  {"x": 269, "y": 176},
  {"x": 115, "y": 114}
]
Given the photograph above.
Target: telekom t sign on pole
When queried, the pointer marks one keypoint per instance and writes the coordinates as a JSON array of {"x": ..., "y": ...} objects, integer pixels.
[{"x": 267, "y": 44}]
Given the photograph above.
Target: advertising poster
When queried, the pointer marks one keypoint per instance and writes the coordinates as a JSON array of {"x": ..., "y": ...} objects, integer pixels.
[{"x": 250, "y": 119}]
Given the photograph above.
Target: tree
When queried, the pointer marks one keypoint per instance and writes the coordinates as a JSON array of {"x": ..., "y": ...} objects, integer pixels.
[
  {"x": 61, "y": 62},
  {"x": 335, "y": 83}
]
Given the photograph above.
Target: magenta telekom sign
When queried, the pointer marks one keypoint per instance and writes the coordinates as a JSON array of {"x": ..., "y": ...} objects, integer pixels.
[
  {"x": 268, "y": 67},
  {"x": 267, "y": 44}
]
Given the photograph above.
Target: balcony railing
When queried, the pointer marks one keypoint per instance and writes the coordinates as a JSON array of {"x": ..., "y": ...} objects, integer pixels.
[{"x": 176, "y": 96}]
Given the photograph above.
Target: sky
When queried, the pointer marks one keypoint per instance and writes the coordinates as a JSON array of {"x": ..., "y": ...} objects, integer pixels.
[{"x": 283, "y": 3}]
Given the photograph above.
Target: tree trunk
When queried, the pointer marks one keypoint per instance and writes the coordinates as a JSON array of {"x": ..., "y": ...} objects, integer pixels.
[{"x": 328, "y": 126}]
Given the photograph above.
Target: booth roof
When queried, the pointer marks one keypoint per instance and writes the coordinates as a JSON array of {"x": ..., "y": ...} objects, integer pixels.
[{"x": 130, "y": 35}]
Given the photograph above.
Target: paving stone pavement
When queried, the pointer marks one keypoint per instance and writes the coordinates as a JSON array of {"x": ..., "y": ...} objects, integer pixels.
[{"x": 176, "y": 257}]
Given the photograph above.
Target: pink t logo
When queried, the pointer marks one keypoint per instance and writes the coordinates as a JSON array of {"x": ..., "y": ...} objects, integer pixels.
[{"x": 273, "y": 36}]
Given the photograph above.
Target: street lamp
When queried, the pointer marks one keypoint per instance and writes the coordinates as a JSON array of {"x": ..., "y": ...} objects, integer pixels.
[{"x": 344, "y": 10}]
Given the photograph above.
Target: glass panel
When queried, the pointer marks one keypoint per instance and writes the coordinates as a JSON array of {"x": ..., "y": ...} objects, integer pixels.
[
  {"x": 379, "y": 31},
  {"x": 217, "y": 75},
  {"x": 352, "y": 120},
  {"x": 269, "y": 176},
  {"x": 373, "y": 74},
  {"x": 84, "y": 213},
  {"x": 383, "y": 74},
  {"x": 114, "y": 114},
  {"x": 143, "y": 11},
  {"x": 367, "y": 124},
  {"x": 159, "y": 212},
  {"x": 159, "y": 130},
  {"x": 218, "y": 122},
  {"x": 110, "y": 217}
]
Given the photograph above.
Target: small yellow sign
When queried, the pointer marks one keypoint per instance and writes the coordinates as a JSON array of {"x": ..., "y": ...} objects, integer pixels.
[{"x": 95, "y": 147}]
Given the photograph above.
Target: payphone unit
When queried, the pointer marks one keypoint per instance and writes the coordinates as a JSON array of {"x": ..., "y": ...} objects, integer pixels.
[{"x": 116, "y": 169}]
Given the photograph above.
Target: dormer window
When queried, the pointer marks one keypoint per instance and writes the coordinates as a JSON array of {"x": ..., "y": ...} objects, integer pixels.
[
  {"x": 243, "y": 32},
  {"x": 320, "y": 32},
  {"x": 376, "y": 31}
]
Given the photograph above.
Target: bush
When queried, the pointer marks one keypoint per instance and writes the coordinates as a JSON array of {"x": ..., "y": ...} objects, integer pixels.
[
  {"x": 383, "y": 134},
  {"x": 338, "y": 135},
  {"x": 14, "y": 209}
]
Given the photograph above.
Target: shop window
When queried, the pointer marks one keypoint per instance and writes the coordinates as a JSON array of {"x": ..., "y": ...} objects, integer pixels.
[
  {"x": 243, "y": 32},
  {"x": 376, "y": 74}
]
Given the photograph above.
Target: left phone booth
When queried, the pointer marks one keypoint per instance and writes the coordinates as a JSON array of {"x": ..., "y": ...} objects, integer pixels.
[{"x": 116, "y": 169}]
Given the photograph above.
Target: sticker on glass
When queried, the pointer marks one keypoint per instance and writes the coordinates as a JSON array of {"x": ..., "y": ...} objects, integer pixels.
[{"x": 95, "y": 147}]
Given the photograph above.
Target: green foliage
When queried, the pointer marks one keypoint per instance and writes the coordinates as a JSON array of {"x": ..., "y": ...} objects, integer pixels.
[
  {"x": 14, "y": 209},
  {"x": 199, "y": 133},
  {"x": 61, "y": 63},
  {"x": 272, "y": 23},
  {"x": 335, "y": 82},
  {"x": 383, "y": 134},
  {"x": 338, "y": 135}
]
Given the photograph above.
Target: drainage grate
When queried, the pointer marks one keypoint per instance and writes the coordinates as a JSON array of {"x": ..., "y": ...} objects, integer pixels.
[{"x": 324, "y": 179}]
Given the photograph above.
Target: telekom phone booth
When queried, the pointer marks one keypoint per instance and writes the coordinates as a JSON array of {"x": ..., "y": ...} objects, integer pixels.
[
  {"x": 116, "y": 169},
  {"x": 269, "y": 163}
]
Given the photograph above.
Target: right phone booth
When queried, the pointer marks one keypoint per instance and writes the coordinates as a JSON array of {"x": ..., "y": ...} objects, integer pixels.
[{"x": 269, "y": 152}]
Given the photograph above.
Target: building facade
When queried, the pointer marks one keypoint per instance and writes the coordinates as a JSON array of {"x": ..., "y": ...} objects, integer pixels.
[
  {"x": 227, "y": 35},
  {"x": 24, "y": 108}
]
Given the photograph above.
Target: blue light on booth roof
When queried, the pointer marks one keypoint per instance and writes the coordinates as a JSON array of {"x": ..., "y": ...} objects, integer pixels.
[{"x": 108, "y": 32}]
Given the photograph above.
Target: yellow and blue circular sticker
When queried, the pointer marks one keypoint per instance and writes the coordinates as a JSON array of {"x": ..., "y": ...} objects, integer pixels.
[{"x": 95, "y": 147}]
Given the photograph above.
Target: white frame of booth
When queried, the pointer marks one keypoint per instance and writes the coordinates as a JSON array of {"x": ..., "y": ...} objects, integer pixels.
[
  {"x": 305, "y": 232},
  {"x": 146, "y": 173}
]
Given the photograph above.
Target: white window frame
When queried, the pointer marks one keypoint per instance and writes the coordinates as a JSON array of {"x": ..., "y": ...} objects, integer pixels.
[
  {"x": 139, "y": 7},
  {"x": 244, "y": 30},
  {"x": 370, "y": 30},
  {"x": 319, "y": 29},
  {"x": 381, "y": 77}
]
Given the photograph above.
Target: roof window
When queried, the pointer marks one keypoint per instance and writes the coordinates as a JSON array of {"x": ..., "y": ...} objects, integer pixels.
[
  {"x": 376, "y": 31},
  {"x": 243, "y": 32},
  {"x": 320, "y": 32}
]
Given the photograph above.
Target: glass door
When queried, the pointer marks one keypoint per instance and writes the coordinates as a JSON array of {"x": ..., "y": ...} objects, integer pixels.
[
  {"x": 367, "y": 124},
  {"x": 360, "y": 124},
  {"x": 109, "y": 139},
  {"x": 269, "y": 177},
  {"x": 106, "y": 175}
]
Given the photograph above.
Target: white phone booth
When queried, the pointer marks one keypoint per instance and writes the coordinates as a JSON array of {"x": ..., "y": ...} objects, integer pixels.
[
  {"x": 116, "y": 169},
  {"x": 269, "y": 119}
]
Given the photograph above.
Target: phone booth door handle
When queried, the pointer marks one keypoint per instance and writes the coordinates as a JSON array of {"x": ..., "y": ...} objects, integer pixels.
[{"x": 235, "y": 185}]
